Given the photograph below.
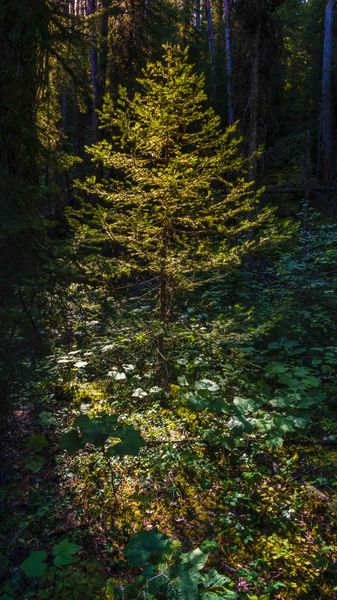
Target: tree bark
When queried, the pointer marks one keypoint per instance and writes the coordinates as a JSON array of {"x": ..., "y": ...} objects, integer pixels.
[
  {"x": 90, "y": 10},
  {"x": 197, "y": 20},
  {"x": 254, "y": 101},
  {"x": 103, "y": 53},
  {"x": 329, "y": 163},
  {"x": 210, "y": 33},
  {"x": 162, "y": 361},
  {"x": 229, "y": 62}
]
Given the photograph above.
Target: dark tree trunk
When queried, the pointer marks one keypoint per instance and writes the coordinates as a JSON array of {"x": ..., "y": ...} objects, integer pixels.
[
  {"x": 229, "y": 62},
  {"x": 90, "y": 10},
  {"x": 197, "y": 20},
  {"x": 210, "y": 33},
  {"x": 163, "y": 314},
  {"x": 254, "y": 101},
  {"x": 329, "y": 159},
  {"x": 103, "y": 54}
]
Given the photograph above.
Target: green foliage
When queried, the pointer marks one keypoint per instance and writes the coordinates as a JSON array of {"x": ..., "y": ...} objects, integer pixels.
[
  {"x": 35, "y": 463},
  {"x": 177, "y": 204},
  {"x": 147, "y": 546},
  {"x": 71, "y": 441},
  {"x": 37, "y": 442},
  {"x": 172, "y": 573},
  {"x": 97, "y": 430},
  {"x": 130, "y": 444},
  {"x": 64, "y": 553},
  {"x": 35, "y": 565}
]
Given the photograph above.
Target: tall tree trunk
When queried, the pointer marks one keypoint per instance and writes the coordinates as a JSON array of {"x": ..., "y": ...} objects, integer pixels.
[
  {"x": 90, "y": 10},
  {"x": 103, "y": 53},
  {"x": 229, "y": 62},
  {"x": 254, "y": 100},
  {"x": 163, "y": 315},
  {"x": 197, "y": 8},
  {"x": 329, "y": 163},
  {"x": 210, "y": 33}
]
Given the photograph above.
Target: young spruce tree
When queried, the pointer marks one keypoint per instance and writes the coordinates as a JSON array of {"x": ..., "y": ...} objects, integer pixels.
[{"x": 175, "y": 205}]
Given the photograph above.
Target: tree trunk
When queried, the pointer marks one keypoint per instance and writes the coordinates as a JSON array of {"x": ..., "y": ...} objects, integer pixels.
[
  {"x": 197, "y": 20},
  {"x": 254, "y": 101},
  {"x": 329, "y": 163},
  {"x": 163, "y": 313},
  {"x": 90, "y": 10},
  {"x": 103, "y": 55},
  {"x": 210, "y": 33},
  {"x": 229, "y": 63}
]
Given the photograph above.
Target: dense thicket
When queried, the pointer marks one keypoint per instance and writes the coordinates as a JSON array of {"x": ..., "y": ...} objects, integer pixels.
[{"x": 168, "y": 299}]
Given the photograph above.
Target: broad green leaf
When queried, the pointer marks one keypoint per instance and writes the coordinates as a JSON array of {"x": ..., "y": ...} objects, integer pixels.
[
  {"x": 97, "y": 430},
  {"x": 274, "y": 346},
  {"x": 300, "y": 422},
  {"x": 82, "y": 422},
  {"x": 227, "y": 442},
  {"x": 274, "y": 442},
  {"x": 207, "y": 384},
  {"x": 47, "y": 418},
  {"x": 209, "y": 546},
  {"x": 196, "y": 558},
  {"x": 290, "y": 381},
  {"x": 64, "y": 553},
  {"x": 130, "y": 444},
  {"x": 35, "y": 564},
  {"x": 311, "y": 381},
  {"x": 147, "y": 546},
  {"x": 284, "y": 424},
  {"x": 214, "y": 580},
  {"x": 71, "y": 441},
  {"x": 35, "y": 463},
  {"x": 283, "y": 402},
  {"x": 197, "y": 403},
  {"x": 245, "y": 404},
  {"x": 240, "y": 425},
  {"x": 37, "y": 442},
  {"x": 296, "y": 351},
  {"x": 186, "y": 581},
  {"x": 301, "y": 372}
]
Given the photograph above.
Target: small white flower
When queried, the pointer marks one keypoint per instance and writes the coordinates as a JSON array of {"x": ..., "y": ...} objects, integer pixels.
[
  {"x": 119, "y": 376},
  {"x": 139, "y": 393},
  {"x": 155, "y": 389},
  {"x": 80, "y": 364}
]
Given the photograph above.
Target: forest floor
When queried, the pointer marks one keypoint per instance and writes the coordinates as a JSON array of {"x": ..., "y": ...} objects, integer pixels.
[{"x": 265, "y": 520}]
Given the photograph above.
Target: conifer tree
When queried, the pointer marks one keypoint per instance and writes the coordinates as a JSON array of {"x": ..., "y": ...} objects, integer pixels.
[{"x": 176, "y": 203}]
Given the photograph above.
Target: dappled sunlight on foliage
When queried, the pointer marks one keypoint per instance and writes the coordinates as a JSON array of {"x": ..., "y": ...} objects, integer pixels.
[{"x": 168, "y": 304}]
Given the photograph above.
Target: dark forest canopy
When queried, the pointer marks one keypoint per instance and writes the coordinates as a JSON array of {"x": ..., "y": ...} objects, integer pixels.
[{"x": 168, "y": 288}]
